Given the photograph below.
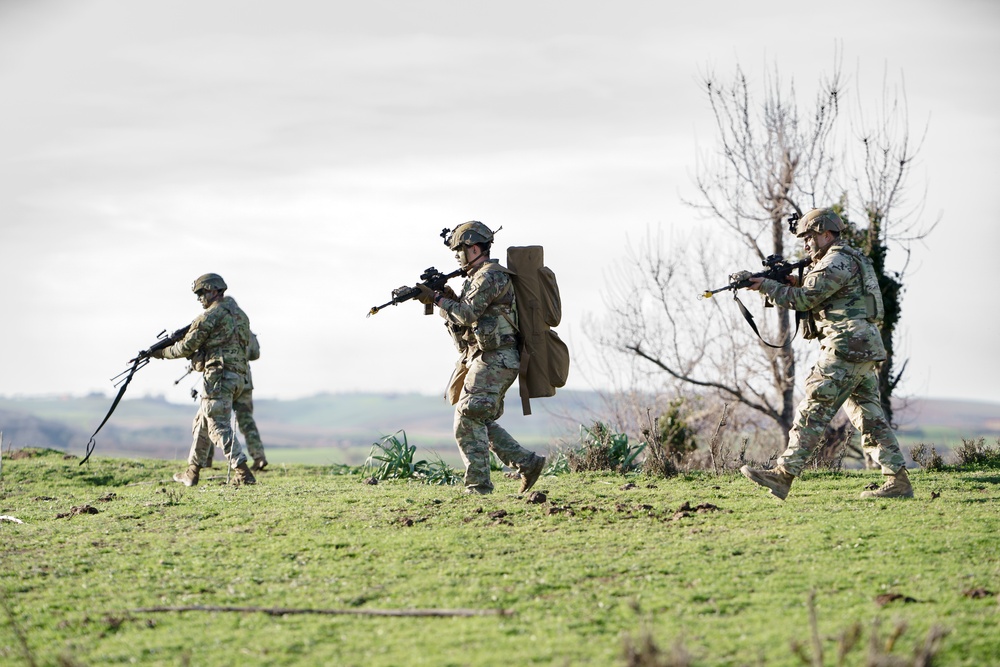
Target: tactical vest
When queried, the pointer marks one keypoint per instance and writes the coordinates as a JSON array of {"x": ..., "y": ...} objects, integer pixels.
[
  {"x": 844, "y": 306},
  {"x": 228, "y": 348},
  {"x": 496, "y": 327}
]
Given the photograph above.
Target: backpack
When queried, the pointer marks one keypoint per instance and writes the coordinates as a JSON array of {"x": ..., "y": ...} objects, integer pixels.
[{"x": 544, "y": 357}]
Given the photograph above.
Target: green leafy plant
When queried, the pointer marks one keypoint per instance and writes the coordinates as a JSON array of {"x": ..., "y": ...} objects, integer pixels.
[
  {"x": 439, "y": 473},
  {"x": 558, "y": 465},
  {"x": 392, "y": 457},
  {"x": 604, "y": 449}
]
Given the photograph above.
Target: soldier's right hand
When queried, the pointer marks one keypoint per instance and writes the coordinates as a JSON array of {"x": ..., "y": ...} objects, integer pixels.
[{"x": 449, "y": 293}]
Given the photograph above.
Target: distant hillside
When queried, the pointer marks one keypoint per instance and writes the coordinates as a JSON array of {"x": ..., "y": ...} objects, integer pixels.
[
  {"x": 340, "y": 428},
  {"x": 979, "y": 417},
  {"x": 333, "y": 428}
]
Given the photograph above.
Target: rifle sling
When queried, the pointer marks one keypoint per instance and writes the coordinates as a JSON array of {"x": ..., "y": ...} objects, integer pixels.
[
  {"x": 92, "y": 444},
  {"x": 753, "y": 325}
]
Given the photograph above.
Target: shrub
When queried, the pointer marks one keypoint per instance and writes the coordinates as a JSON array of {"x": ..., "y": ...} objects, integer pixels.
[
  {"x": 977, "y": 453},
  {"x": 927, "y": 460},
  {"x": 669, "y": 443},
  {"x": 603, "y": 449},
  {"x": 833, "y": 447}
]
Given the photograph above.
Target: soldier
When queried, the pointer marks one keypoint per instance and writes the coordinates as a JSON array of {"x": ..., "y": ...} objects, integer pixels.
[
  {"x": 482, "y": 321},
  {"x": 841, "y": 295},
  {"x": 243, "y": 409},
  {"x": 217, "y": 343}
]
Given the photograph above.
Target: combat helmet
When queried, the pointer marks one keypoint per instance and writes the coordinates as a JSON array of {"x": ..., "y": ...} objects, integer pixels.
[
  {"x": 466, "y": 234},
  {"x": 819, "y": 220},
  {"x": 209, "y": 281}
]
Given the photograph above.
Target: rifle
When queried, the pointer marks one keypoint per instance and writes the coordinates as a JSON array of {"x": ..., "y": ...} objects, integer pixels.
[
  {"x": 432, "y": 278},
  {"x": 138, "y": 361},
  {"x": 777, "y": 269}
]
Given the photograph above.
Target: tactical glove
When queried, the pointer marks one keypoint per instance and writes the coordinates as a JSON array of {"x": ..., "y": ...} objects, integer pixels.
[
  {"x": 449, "y": 293},
  {"x": 157, "y": 354},
  {"x": 426, "y": 295}
]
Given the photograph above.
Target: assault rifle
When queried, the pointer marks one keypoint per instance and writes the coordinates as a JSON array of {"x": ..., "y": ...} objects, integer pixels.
[
  {"x": 777, "y": 269},
  {"x": 432, "y": 278},
  {"x": 163, "y": 341}
]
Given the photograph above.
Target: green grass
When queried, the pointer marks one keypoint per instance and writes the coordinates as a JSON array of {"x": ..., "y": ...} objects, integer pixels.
[{"x": 595, "y": 564}]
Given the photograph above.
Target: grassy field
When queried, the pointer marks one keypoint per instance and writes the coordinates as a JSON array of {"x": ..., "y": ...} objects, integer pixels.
[{"x": 605, "y": 560}]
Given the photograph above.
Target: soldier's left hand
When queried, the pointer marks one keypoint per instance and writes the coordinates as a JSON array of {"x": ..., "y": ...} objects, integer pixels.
[
  {"x": 739, "y": 277},
  {"x": 426, "y": 294},
  {"x": 157, "y": 354}
]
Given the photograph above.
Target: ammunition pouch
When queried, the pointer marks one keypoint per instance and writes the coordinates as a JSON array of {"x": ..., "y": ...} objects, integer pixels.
[{"x": 492, "y": 333}]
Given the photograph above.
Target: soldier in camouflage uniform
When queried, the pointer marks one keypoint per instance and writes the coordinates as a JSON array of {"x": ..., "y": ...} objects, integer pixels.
[
  {"x": 841, "y": 295},
  {"x": 243, "y": 409},
  {"x": 217, "y": 344},
  {"x": 482, "y": 321}
]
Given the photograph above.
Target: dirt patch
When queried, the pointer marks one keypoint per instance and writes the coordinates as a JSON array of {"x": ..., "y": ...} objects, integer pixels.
[
  {"x": 536, "y": 498},
  {"x": 79, "y": 509},
  {"x": 408, "y": 521},
  {"x": 686, "y": 510},
  {"x": 887, "y": 598},
  {"x": 977, "y": 593},
  {"x": 500, "y": 518}
]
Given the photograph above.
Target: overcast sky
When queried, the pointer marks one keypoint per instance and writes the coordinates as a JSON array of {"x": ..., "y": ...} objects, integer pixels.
[{"x": 311, "y": 152}]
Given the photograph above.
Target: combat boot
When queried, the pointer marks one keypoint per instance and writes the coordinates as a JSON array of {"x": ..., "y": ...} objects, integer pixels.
[
  {"x": 896, "y": 486},
  {"x": 259, "y": 464},
  {"x": 778, "y": 481},
  {"x": 242, "y": 475},
  {"x": 189, "y": 477},
  {"x": 531, "y": 472}
]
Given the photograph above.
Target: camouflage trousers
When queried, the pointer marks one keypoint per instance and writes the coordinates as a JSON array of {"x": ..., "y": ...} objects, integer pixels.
[
  {"x": 243, "y": 407},
  {"x": 479, "y": 406},
  {"x": 833, "y": 383},
  {"x": 213, "y": 425}
]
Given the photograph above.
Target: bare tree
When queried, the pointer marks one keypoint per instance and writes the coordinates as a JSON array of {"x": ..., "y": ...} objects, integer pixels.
[
  {"x": 879, "y": 187},
  {"x": 771, "y": 161}
]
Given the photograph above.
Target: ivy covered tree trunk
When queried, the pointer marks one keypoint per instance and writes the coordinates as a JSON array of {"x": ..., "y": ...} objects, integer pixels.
[
  {"x": 870, "y": 242},
  {"x": 892, "y": 294}
]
